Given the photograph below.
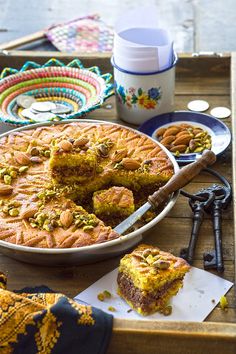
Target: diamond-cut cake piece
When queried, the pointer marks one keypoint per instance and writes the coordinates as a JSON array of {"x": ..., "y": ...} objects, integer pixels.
[
  {"x": 117, "y": 201},
  {"x": 70, "y": 163},
  {"x": 156, "y": 170},
  {"x": 151, "y": 172},
  {"x": 149, "y": 277}
]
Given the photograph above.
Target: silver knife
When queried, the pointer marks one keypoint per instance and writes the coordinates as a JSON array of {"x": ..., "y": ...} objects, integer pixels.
[{"x": 178, "y": 181}]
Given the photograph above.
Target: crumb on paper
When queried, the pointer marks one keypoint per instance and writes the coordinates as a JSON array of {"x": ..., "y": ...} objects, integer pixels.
[
  {"x": 213, "y": 301},
  {"x": 111, "y": 308},
  {"x": 101, "y": 297},
  {"x": 107, "y": 294},
  {"x": 104, "y": 295},
  {"x": 223, "y": 303},
  {"x": 167, "y": 311}
]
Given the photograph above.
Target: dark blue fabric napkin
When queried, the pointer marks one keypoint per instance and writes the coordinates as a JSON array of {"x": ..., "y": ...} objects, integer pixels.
[{"x": 38, "y": 320}]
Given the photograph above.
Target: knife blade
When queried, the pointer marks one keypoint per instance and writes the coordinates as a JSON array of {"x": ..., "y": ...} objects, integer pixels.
[{"x": 179, "y": 180}]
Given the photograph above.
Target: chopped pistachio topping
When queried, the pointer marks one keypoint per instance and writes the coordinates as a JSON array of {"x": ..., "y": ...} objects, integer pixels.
[
  {"x": 101, "y": 297},
  {"x": 14, "y": 212},
  {"x": 107, "y": 294},
  {"x": 223, "y": 303},
  {"x": 118, "y": 166},
  {"x": 11, "y": 208},
  {"x": 111, "y": 308},
  {"x": 3, "y": 171},
  {"x": 13, "y": 174},
  {"x": 48, "y": 220},
  {"x": 7, "y": 179},
  {"x": 47, "y": 153},
  {"x": 23, "y": 169}
]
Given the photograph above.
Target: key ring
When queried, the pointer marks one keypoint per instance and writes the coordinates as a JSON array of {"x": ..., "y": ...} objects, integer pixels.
[{"x": 224, "y": 181}]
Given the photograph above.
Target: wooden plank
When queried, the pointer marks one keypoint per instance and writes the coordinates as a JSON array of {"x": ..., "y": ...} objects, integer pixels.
[
  {"x": 165, "y": 338},
  {"x": 22, "y": 41},
  {"x": 217, "y": 75},
  {"x": 233, "y": 102},
  {"x": 16, "y": 59}
]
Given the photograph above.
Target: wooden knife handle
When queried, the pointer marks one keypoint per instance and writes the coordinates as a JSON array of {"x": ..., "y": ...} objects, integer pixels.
[{"x": 182, "y": 177}]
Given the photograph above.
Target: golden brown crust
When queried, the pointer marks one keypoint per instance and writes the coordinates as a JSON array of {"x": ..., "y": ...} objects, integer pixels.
[
  {"x": 113, "y": 201},
  {"x": 17, "y": 152},
  {"x": 150, "y": 268}
]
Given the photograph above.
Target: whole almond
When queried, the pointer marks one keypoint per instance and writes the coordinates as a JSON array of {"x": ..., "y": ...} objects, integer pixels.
[
  {"x": 137, "y": 256},
  {"x": 180, "y": 148},
  {"x": 167, "y": 140},
  {"x": 182, "y": 140},
  {"x": 119, "y": 155},
  {"x": 65, "y": 145},
  {"x": 182, "y": 132},
  {"x": 66, "y": 218},
  {"x": 29, "y": 212},
  {"x": 80, "y": 142},
  {"x": 21, "y": 158},
  {"x": 171, "y": 131},
  {"x": 5, "y": 189},
  {"x": 130, "y": 164},
  {"x": 36, "y": 159},
  {"x": 160, "y": 132}
]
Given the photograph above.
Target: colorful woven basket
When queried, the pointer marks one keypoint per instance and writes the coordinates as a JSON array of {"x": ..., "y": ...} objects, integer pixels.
[{"x": 82, "y": 89}]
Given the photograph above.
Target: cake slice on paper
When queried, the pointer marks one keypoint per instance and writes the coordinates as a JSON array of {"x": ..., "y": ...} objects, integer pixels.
[{"x": 148, "y": 278}]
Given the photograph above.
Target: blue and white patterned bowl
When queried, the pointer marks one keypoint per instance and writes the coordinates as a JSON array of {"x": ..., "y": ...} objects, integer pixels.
[{"x": 219, "y": 132}]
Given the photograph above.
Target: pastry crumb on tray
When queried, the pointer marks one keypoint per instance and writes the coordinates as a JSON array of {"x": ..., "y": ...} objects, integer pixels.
[{"x": 148, "y": 278}]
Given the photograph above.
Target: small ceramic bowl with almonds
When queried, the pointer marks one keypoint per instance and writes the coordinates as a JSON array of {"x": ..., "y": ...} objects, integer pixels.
[
  {"x": 187, "y": 134},
  {"x": 184, "y": 138}
]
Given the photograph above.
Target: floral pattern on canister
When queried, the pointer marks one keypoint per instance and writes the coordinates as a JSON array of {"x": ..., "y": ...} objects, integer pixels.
[{"x": 138, "y": 97}]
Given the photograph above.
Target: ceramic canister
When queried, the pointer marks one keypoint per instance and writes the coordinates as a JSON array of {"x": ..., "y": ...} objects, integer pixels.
[{"x": 141, "y": 96}]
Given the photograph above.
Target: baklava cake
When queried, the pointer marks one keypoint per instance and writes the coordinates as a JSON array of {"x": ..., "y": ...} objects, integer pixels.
[
  {"x": 148, "y": 278},
  {"x": 57, "y": 182}
]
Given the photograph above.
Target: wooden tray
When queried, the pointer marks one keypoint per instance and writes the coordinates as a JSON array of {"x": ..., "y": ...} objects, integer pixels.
[{"x": 209, "y": 78}]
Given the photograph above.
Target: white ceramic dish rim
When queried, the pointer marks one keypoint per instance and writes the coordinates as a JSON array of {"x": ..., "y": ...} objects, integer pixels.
[{"x": 102, "y": 245}]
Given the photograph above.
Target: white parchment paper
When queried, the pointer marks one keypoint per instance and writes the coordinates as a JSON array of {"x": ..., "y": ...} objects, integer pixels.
[{"x": 198, "y": 297}]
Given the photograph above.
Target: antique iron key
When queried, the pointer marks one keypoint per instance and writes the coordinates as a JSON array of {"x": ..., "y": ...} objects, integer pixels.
[
  {"x": 198, "y": 207},
  {"x": 214, "y": 259}
]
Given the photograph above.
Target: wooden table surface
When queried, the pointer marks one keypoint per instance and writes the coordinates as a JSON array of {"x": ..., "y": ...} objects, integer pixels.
[{"x": 196, "y": 78}]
